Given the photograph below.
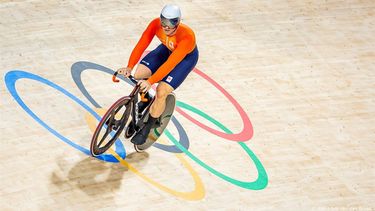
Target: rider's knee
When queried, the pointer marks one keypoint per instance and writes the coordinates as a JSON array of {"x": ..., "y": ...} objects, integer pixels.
[
  {"x": 161, "y": 93},
  {"x": 142, "y": 72}
]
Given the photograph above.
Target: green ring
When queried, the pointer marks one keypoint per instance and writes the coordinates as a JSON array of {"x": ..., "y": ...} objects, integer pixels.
[{"x": 262, "y": 180}]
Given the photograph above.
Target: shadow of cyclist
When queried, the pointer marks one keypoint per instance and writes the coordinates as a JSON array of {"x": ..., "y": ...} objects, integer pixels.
[
  {"x": 89, "y": 175},
  {"x": 94, "y": 176}
]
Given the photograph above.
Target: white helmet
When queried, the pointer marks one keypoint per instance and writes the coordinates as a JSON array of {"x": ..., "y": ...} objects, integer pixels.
[{"x": 170, "y": 16}]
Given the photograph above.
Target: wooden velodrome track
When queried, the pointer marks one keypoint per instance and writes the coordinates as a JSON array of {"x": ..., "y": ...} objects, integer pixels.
[{"x": 302, "y": 72}]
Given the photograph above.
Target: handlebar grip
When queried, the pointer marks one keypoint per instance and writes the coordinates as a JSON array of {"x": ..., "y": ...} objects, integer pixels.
[
  {"x": 131, "y": 78},
  {"x": 114, "y": 78}
]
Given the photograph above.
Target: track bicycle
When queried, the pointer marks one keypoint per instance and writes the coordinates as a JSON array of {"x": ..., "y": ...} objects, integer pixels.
[{"x": 125, "y": 115}]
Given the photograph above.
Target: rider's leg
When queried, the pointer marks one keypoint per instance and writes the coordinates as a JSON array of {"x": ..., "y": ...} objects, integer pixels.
[{"x": 162, "y": 91}]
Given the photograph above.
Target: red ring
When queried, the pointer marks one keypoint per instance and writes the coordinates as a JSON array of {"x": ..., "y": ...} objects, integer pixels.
[{"x": 247, "y": 132}]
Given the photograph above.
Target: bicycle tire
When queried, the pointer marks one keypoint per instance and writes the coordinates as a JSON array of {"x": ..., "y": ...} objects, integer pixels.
[{"x": 107, "y": 124}]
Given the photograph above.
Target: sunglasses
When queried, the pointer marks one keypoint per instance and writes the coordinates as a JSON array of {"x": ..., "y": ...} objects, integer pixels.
[{"x": 169, "y": 23}]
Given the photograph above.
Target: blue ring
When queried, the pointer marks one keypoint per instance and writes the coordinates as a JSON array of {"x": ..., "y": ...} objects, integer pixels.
[
  {"x": 76, "y": 71},
  {"x": 10, "y": 79}
]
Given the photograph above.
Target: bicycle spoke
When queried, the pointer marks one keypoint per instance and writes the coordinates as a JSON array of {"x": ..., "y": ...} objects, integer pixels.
[
  {"x": 100, "y": 142},
  {"x": 118, "y": 109},
  {"x": 107, "y": 131},
  {"x": 110, "y": 120}
]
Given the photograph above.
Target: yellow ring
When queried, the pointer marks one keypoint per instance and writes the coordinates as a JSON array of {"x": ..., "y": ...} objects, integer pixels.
[{"x": 198, "y": 192}]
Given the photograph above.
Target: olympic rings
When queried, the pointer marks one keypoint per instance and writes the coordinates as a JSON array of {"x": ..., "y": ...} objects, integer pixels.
[{"x": 182, "y": 146}]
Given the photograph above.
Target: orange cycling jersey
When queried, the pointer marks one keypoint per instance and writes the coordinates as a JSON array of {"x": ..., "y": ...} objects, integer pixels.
[{"x": 181, "y": 44}]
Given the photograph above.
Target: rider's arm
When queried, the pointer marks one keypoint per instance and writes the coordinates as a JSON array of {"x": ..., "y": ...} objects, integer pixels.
[
  {"x": 143, "y": 43},
  {"x": 184, "y": 47}
]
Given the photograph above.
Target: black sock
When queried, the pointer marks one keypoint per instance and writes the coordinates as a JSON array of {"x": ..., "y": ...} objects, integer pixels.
[{"x": 150, "y": 122}]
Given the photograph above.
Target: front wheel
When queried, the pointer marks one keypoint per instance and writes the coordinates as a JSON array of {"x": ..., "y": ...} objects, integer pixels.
[{"x": 110, "y": 126}]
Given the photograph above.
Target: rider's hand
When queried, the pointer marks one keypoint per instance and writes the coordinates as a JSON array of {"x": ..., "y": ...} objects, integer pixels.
[
  {"x": 126, "y": 71},
  {"x": 144, "y": 85}
]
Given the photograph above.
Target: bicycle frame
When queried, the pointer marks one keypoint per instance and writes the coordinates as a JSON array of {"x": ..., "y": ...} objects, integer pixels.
[{"x": 134, "y": 99}]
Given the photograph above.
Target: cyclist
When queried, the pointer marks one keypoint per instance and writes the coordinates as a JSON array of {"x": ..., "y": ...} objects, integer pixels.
[{"x": 168, "y": 64}]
